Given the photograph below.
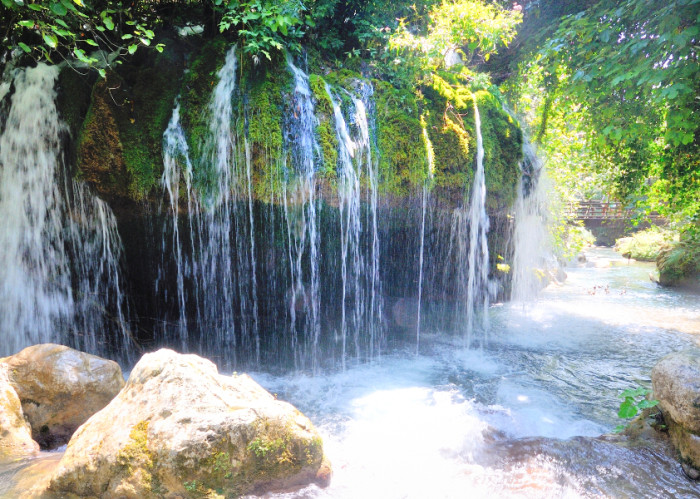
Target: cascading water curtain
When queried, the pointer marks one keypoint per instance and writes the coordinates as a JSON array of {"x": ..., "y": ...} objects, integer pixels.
[
  {"x": 213, "y": 243},
  {"x": 59, "y": 246},
  {"x": 532, "y": 245},
  {"x": 303, "y": 231},
  {"x": 361, "y": 313}
]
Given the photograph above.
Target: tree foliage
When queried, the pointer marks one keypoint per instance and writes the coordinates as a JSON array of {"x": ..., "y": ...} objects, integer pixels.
[
  {"x": 622, "y": 75},
  {"x": 467, "y": 27},
  {"x": 264, "y": 26},
  {"x": 45, "y": 29}
]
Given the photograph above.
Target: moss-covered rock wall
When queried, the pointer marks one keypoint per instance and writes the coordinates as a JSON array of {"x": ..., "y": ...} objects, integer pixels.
[{"x": 119, "y": 130}]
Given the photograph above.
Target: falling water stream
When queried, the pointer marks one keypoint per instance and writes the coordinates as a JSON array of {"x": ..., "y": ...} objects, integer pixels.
[
  {"x": 478, "y": 262},
  {"x": 59, "y": 264},
  {"x": 361, "y": 313}
]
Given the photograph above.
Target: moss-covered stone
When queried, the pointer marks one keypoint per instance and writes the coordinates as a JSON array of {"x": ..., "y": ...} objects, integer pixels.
[
  {"x": 403, "y": 158},
  {"x": 198, "y": 83},
  {"x": 450, "y": 128},
  {"x": 73, "y": 91},
  {"x": 120, "y": 145},
  {"x": 265, "y": 87},
  {"x": 325, "y": 129},
  {"x": 502, "y": 152},
  {"x": 452, "y": 131},
  {"x": 100, "y": 152}
]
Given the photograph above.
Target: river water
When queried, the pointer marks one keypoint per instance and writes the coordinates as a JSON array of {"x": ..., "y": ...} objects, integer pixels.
[{"x": 520, "y": 418}]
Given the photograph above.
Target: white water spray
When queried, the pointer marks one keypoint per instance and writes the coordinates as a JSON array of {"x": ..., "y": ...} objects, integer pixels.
[
  {"x": 477, "y": 283},
  {"x": 302, "y": 219},
  {"x": 59, "y": 246},
  {"x": 532, "y": 245},
  {"x": 360, "y": 313}
]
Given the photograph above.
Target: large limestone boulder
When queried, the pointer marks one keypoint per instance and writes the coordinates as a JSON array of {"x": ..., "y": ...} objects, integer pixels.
[
  {"x": 676, "y": 383},
  {"x": 15, "y": 434},
  {"x": 179, "y": 429},
  {"x": 60, "y": 388}
]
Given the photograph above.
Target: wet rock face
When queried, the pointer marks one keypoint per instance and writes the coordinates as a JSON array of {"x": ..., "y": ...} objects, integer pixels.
[
  {"x": 676, "y": 383},
  {"x": 60, "y": 388},
  {"x": 15, "y": 434},
  {"x": 179, "y": 429}
]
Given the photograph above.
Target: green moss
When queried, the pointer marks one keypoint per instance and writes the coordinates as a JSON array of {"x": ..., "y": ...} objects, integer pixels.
[
  {"x": 344, "y": 78},
  {"x": 136, "y": 455},
  {"x": 99, "y": 146},
  {"x": 143, "y": 117},
  {"x": 198, "y": 83},
  {"x": 120, "y": 143},
  {"x": 265, "y": 88},
  {"x": 325, "y": 130},
  {"x": 73, "y": 101},
  {"x": 403, "y": 158},
  {"x": 451, "y": 132},
  {"x": 503, "y": 142},
  {"x": 273, "y": 453}
]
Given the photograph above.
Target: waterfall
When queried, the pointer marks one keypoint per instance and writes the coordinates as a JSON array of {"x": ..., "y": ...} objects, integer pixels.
[
  {"x": 532, "y": 246},
  {"x": 302, "y": 221},
  {"x": 59, "y": 246},
  {"x": 214, "y": 257},
  {"x": 477, "y": 283},
  {"x": 177, "y": 168},
  {"x": 361, "y": 305},
  {"x": 430, "y": 155}
]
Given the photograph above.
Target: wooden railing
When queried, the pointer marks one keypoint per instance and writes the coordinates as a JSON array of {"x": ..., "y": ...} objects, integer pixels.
[
  {"x": 599, "y": 210},
  {"x": 603, "y": 210}
]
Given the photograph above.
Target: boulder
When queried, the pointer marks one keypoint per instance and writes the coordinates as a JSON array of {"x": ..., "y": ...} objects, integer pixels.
[
  {"x": 676, "y": 384},
  {"x": 60, "y": 388},
  {"x": 180, "y": 429},
  {"x": 15, "y": 434}
]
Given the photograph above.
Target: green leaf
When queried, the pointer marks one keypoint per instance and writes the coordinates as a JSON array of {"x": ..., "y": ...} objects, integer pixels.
[
  {"x": 35, "y": 6},
  {"x": 68, "y": 5},
  {"x": 145, "y": 41},
  {"x": 61, "y": 22},
  {"x": 80, "y": 54},
  {"x": 646, "y": 404},
  {"x": 50, "y": 40},
  {"x": 127, "y": 36},
  {"x": 92, "y": 42},
  {"x": 102, "y": 73},
  {"x": 62, "y": 32},
  {"x": 9, "y": 4},
  {"x": 133, "y": 48},
  {"x": 108, "y": 22},
  {"x": 24, "y": 47},
  {"x": 619, "y": 428},
  {"x": 58, "y": 9},
  {"x": 26, "y": 24},
  {"x": 628, "y": 409}
]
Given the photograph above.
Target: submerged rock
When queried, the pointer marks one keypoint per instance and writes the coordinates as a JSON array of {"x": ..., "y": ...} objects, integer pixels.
[
  {"x": 676, "y": 383},
  {"x": 180, "y": 429},
  {"x": 15, "y": 433},
  {"x": 60, "y": 388}
]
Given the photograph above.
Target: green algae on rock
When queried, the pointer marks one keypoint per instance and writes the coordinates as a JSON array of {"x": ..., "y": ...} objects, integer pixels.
[{"x": 178, "y": 427}]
